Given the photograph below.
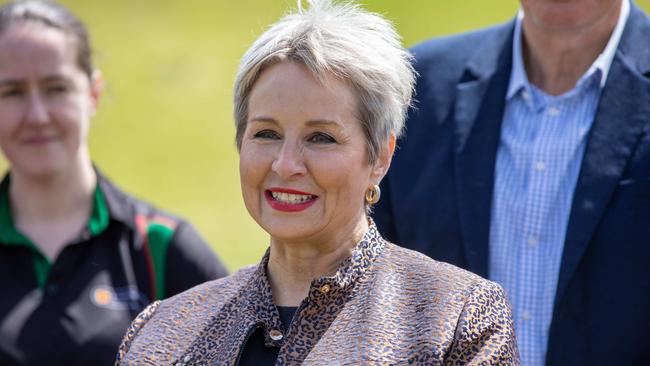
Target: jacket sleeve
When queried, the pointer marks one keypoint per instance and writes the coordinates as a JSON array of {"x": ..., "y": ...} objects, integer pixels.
[
  {"x": 484, "y": 334},
  {"x": 190, "y": 261},
  {"x": 137, "y": 324}
]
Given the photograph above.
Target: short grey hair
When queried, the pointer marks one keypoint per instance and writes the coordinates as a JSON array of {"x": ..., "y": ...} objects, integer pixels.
[{"x": 353, "y": 44}]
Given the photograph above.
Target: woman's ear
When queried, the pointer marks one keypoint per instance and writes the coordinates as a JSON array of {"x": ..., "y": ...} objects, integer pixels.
[
  {"x": 96, "y": 89},
  {"x": 384, "y": 158}
]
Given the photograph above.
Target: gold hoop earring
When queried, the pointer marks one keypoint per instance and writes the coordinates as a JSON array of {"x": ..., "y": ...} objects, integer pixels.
[{"x": 373, "y": 194}]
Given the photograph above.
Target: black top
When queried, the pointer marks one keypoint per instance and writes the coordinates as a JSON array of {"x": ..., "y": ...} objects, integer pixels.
[
  {"x": 256, "y": 353},
  {"x": 76, "y": 310}
]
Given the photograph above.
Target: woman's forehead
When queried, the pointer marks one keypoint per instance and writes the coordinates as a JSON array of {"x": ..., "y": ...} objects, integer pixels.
[
  {"x": 30, "y": 46},
  {"x": 292, "y": 86}
]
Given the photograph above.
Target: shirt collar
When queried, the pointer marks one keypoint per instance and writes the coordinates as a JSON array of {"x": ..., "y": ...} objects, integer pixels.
[
  {"x": 119, "y": 205},
  {"x": 10, "y": 235},
  {"x": 257, "y": 293},
  {"x": 518, "y": 77}
]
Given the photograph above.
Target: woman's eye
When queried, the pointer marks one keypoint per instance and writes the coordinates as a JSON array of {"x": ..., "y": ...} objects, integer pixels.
[
  {"x": 56, "y": 89},
  {"x": 267, "y": 134},
  {"x": 8, "y": 93},
  {"x": 321, "y": 138}
]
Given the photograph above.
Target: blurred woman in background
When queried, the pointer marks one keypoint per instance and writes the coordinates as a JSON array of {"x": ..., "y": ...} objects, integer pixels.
[
  {"x": 78, "y": 257},
  {"x": 319, "y": 100}
]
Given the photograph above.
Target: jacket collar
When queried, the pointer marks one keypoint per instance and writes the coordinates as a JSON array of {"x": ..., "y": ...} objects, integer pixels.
[
  {"x": 636, "y": 30},
  {"x": 338, "y": 286},
  {"x": 480, "y": 101},
  {"x": 622, "y": 116},
  {"x": 120, "y": 207},
  {"x": 478, "y": 111},
  {"x": 253, "y": 308}
]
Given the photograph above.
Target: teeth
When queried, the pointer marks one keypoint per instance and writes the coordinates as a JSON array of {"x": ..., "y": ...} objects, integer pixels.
[{"x": 291, "y": 198}]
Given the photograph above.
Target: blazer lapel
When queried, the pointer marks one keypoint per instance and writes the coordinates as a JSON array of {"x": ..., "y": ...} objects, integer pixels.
[
  {"x": 623, "y": 111},
  {"x": 480, "y": 102}
]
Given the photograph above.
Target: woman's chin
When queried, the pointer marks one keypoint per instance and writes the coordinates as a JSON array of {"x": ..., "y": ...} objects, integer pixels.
[
  {"x": 290, "y": 232},
  {"x": 42, "y": 171}
]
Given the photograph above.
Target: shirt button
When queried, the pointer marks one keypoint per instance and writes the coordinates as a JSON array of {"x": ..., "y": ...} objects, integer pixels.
[
  {"x": 525, "y": 95},
  {"x": 526, "y": 315},
  {"x": 540, "y": 166},
  {"x": 553, "y": 111},
  {"x": 275, "y": 335},
  {"x": 325, "y": 289},
  {"x": 533, "y": 241},
  {"x": 51, "y": 289}
]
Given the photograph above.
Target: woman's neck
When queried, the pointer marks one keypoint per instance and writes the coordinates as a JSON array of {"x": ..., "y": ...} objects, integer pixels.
[
  {"x": 293, "y": 266},
  {"x": 52, "y": 210}
]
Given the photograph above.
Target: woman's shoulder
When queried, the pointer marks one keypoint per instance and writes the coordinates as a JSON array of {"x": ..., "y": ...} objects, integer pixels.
[
  {"x": 483, "y": 331},
  {"x": 125, "y": 206},
  {"x": 431, "y": 290},
  {"x": 203, "y": 299},
  {"x": 423, "y": 272},
  {"x": 169, "y": 327}
]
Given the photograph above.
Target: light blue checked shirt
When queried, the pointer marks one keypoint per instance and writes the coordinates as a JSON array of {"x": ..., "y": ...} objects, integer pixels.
[{"x": 542, "y": 144}]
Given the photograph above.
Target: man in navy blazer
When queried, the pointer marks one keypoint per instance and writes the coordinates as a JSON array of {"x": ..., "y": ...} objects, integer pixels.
[{"x": 438, "y": 196}]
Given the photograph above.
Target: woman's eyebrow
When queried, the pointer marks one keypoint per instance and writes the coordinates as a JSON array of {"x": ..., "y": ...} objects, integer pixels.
[
  {"x": 264, "y": 119},
  {"x": 55, "y": 77},
  {"x": 18, "y": 81},
  {"x": 325, "y": 123},
  {"x": 10, "y": 82},
  {"x": 310, "y": 123}
]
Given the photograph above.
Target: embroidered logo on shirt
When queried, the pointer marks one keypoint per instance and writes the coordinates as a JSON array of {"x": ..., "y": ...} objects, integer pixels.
[{"x": 118, "y": 298}]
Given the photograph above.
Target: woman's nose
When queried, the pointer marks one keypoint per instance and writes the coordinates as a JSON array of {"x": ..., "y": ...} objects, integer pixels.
[
  {"x": 289, "y": 163},
  {"x": 36, "y": 109}
]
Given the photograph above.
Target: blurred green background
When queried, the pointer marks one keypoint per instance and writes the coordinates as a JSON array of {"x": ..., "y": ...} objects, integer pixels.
[{"x": 164, "y": 130}]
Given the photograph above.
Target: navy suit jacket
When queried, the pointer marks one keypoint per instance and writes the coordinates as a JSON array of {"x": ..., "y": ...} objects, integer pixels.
[{"x": 437, "y": 195}]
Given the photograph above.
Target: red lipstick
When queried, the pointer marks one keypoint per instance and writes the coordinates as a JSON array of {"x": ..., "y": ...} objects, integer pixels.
[{"x": 288, "y": 206}]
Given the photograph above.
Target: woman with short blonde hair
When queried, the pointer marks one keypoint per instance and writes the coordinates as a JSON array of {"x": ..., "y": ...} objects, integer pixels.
[{"x": 319, "y": 100}]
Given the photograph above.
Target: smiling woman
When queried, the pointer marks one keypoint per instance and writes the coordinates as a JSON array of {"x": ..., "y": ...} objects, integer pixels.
[
  {"x": 310, "y": 160},
  {"x": 319, "y": 100},
  {"x": 83, "y": 257}
]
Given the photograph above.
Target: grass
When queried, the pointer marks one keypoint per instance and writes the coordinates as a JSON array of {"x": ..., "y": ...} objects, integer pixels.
[{"x": 164, "y": 130}]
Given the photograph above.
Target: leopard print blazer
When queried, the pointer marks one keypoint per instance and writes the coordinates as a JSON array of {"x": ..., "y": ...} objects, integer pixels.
[{"x": 385, "y": 305}]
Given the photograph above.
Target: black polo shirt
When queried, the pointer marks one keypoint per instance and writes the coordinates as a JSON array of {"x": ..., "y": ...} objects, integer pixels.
[{"x": 75, "y": 310}]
